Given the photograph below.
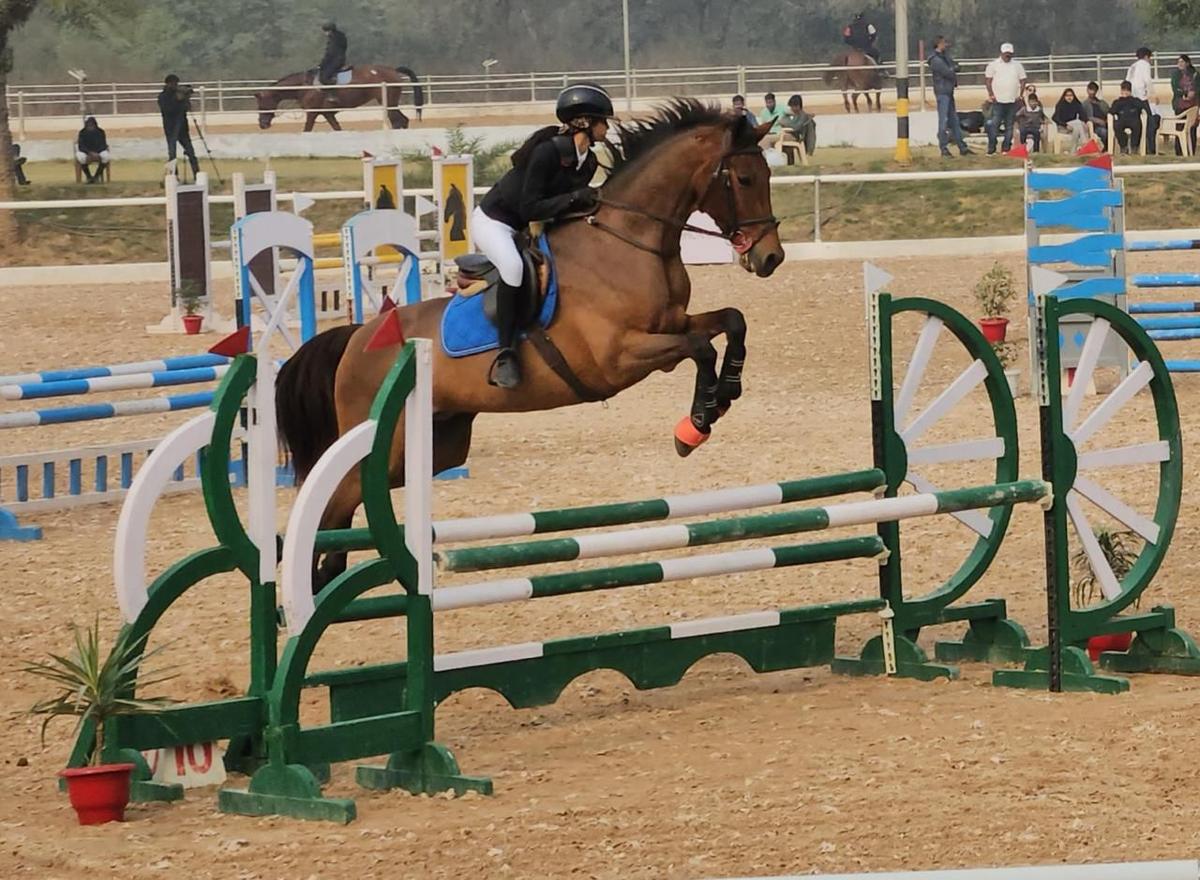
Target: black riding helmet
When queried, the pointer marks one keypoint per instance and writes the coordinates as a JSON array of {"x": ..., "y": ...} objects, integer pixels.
[{"x": 583, "y": 99}]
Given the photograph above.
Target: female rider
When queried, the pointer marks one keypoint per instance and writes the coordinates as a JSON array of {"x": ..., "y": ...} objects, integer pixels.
[{"x": 549, "y": 178}]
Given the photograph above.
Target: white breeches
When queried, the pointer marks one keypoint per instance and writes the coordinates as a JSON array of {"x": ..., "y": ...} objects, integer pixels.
[
  {"x": 1077, "y": 133},
  {"x": 82, "y": 157},
  {"x": 497, "y": 242}
]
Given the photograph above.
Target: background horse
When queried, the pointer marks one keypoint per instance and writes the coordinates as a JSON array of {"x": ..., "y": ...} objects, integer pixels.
[
  {"x": 622, "y": 311},
  {"x": 326, "y": 101},
  {"x": 859, "y": 75}
]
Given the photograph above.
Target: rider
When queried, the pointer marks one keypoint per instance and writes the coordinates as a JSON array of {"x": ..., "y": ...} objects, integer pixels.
[
  {"x": 549, "y": 178},
  {"x": 335, "y": 53},
  {"x": 861, "y": 34}
]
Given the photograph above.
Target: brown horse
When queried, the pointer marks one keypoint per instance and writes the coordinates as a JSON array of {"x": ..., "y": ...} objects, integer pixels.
[
  {"x": 858, "y": 74},
  {"x": 622, "y": 314},
  {"x": 299, "y": 88}
]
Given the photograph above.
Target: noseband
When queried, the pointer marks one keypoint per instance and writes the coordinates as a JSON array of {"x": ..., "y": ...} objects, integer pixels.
[{"x": 735, "y": 236}]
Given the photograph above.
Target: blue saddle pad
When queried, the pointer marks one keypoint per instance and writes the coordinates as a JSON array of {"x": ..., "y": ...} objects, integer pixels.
[{"x": 466, "y": 330}]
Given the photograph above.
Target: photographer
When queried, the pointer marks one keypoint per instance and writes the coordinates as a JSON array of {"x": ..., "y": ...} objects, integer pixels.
[{"x": 174, "y": 101}]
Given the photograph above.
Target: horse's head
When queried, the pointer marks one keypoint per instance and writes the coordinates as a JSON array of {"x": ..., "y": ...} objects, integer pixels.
[
  {"x": 267, "y": 102},
  {"x": 737, "y": 196}
]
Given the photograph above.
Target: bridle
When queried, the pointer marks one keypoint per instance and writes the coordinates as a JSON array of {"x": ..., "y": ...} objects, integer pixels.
[{"x": 735, "y": 236}]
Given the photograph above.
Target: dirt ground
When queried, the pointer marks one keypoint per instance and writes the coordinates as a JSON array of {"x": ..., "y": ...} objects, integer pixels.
[{"x": 727, "y": 774}]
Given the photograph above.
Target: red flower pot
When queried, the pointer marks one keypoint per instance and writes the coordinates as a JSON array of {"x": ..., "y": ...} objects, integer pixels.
[
  {"x": 1113, "y": 642},
  {"x": 98, "y": 794},
  {"x": 191, "y": 324},
  {"x": 994, "y": 329}
]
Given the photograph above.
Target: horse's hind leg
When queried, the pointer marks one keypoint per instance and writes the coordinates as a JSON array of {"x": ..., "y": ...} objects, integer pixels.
[
  {"x": 878, "y": 102},
  {"x": 339, "y": 514},
  {"x": 846, "y": 101},
  {"x": 331, "y": 118},
  {"x": 310, "y": 120}
]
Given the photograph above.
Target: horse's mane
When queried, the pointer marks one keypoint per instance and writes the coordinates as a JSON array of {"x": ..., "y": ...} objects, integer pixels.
[{"x": 639, "y": 137}]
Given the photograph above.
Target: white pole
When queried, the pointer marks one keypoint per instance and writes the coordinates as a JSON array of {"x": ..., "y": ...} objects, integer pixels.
[
  {"x": 1181, "y": 870},
  {"x": 628, "y": 68}
]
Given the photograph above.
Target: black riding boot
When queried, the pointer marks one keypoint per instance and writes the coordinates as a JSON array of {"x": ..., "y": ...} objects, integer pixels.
[{"x": 506, "y": 369}]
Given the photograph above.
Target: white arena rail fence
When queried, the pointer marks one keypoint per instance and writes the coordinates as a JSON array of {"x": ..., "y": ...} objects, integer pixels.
[{"x": 523, "y": 89}]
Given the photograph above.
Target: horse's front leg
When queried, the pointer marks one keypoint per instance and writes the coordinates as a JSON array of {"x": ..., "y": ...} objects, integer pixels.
[
  {"x": 846, "y": 100},
  {"x": 310, "y": 120},
  {"x": 731, "y": 323},
  {"x": 331, "y": 118}
]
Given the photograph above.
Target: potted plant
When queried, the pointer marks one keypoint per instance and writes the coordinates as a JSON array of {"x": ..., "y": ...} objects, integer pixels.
[
  {"x": 94, "y": 686},
  {"x": 1006, "y": 353},
  {"x": 191, "y": 298},
  {"x": 994, "y": 293},
  {"x": 1121, "y": 549}
]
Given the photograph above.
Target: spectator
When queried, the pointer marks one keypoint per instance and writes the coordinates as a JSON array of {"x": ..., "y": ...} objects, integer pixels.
[
  {"x": 1070, "y": 116},
  {"x": 1141, "y": 82},
  {"x": 1183, "y": 85},
  {"x": 800, "y": 124},
  {"x": 91, "y": 145},
  {"x": 1005, "y": 79},
  {"x": 945, "y": 79},
  {"x": 772, "y": 112},
  {"x": 739, "y": 107},
  {"x": 1128, "y": 111},
  {"x": 1029, "y": 119},
  {"x": 972, "y": 121},
  {"x": 1096, "y": 109},
  {"x": 174, "y": 102},
  {"x": 18, "y": 165}
]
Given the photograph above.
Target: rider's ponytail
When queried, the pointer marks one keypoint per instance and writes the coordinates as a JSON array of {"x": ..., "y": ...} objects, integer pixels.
[{"x": 521, "y": 156}]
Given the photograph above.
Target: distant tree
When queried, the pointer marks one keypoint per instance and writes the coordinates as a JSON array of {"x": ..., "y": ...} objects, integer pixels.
[{"x": 1180, "y": 14}]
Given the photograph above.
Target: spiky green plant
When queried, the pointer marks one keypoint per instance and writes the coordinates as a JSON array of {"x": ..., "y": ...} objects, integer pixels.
[
  {"x": 995, "y": 291},
  {"x": 1121, "y": 549},
  {"x": 94, "y": 685}
]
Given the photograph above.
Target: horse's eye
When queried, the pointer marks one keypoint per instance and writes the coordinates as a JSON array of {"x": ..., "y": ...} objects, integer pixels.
[{"x": 744, "y": 180}]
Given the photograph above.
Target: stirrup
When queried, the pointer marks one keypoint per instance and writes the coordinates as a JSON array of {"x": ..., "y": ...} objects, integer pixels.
[{"x": 505, "y": 371}]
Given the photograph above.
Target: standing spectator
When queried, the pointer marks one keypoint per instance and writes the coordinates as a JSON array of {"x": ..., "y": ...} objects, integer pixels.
[
  {"x": 1183, "y": 85},
  {"x": 801, "y": 125},
  {"x": 1029, "y": 119},
  {"x": 18, "y": 165},
  {"x": 772, "y": 111},
  {"x": 945, "y": 79},
  {"x": 1128, "y": 111},
  {"x": 1005, "y": 80},
  {"x": 91, "y": 145},
  {"x": 1096, "y": 109},
  {"x": 1141, "y": 81},
  {"x": 174, "y": 101},
  {"x": 1070, "y": 115},
  {"x": 739, "y": 108}
]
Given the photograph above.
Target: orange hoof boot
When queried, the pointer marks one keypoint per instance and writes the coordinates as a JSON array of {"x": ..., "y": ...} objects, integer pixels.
[{"x": 688, "y": 437}]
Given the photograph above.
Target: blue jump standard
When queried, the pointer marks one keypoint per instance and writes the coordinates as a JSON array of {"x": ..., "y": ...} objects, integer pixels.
[
  {"x": 1155, "y": 308},
  {"x": 1176, "y": 322},
  {"x": 1183, "y": 366},
  {"x": 1169, "y": 335}
]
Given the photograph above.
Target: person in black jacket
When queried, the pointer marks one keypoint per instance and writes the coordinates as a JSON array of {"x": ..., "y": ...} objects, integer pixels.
[
  {"x": 945, "y": 80},
  {"x": 334, "y": 59},
  {"x": 550, "y": 176},
  {"x": 1128, "y": 111},
  {"x": 91, "y": 145},
  {"x": 174, "y": 101}
]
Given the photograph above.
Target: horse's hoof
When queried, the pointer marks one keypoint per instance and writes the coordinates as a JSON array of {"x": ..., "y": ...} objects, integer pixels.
[{"x": 688, "y": 437}]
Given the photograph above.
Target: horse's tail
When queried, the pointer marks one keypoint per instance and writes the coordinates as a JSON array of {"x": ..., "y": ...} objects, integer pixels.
[
  {"x": 831, "y": 76},
  {"x": 418, "y": 89},
  {"x": 305, "y": 411}
]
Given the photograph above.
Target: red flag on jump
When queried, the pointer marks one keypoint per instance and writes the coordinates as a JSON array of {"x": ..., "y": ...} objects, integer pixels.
[
  {"x": 1088, "y": 149},
  {"x": 388, "y": 333},
  {"x": 1020, "y": 151},
  {"x": 237, "y": 342},
  {"x": 387, "y": 305},
  {"x": 1104, "y": 161}
]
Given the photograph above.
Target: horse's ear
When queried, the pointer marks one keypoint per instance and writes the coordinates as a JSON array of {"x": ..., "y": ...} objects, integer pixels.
[{"x": 761, "y": 131}]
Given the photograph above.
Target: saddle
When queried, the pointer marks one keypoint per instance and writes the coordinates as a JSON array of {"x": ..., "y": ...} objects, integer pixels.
[
  {"x": 477, "y": 276},
  {"x": 341, "y": 78}
]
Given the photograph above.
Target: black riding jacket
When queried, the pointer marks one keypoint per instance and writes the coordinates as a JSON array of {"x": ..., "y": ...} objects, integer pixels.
[
  {"x": 336, "y": 46},
  {"x": 545, "y": 187},
  {"x": 173, "y": 105}
]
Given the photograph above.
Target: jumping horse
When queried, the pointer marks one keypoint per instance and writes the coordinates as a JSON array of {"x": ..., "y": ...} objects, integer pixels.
[
  {"x": 856, "y": 73},
  {"x": 315, "y": 101},
  {"x": 622, "y": 311}
]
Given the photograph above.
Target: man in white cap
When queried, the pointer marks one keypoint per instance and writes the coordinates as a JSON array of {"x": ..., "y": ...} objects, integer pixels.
[{"x": 1005, "y": 80}]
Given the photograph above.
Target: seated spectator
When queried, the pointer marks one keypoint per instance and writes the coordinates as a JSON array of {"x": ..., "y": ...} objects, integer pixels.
[
  {"x": 1128, "y": 112},
  {"x": 92, "y": 146},
  {"x": 18, "y": 165},
  {"x": 739, "y": 107},
  {"x": 1029, "y": 120},
  {"x": 1070, "y": 117},
  {"x": 772, "y": 111},
  {"x": 1096, "y": 109},
  {"x": 799, "y": 124}
]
